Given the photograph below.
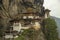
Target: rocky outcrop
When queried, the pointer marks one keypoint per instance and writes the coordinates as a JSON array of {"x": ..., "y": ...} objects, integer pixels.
[
  {"x": 15, "y": 10},
  {"x": 36, "y": 35}
]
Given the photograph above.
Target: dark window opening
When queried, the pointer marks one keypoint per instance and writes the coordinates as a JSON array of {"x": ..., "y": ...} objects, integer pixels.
[
  {"x": 38, "y": 1},
  {"x": 10, "y": 1},
  {"x": 0, "y": 4}
]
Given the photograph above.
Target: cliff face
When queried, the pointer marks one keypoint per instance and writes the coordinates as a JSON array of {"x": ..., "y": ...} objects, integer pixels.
[
  {"x": 32, "y": 34},
  {"x": 37, "y": 35},
  {"x": 13, "y": 10}
]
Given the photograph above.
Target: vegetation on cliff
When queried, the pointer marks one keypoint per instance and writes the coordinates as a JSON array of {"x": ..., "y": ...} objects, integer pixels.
[
  {"x": 31, "y": 34},
  {"x": 51, "y": 29}
]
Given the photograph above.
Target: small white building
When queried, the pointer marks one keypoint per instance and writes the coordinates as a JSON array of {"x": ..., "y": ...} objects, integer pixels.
[
  {"x": 31, "y": 17},
  {"x": 36, "y": 17},
  {"x": 47, "y": 13},
  {"x": 10, "y": 36},
  {"x": 17, "y": 26},
  {"x": 24, "y": 17}
]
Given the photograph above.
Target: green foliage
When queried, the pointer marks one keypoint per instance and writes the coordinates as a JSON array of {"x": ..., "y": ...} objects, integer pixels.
[
  {"x": 50, "y": 29},
  {"x": 27, "y": 34}
]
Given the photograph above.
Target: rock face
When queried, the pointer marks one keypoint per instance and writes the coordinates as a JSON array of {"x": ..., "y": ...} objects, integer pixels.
[
  {"x": 19, "y": 6},
  {"x": 39, "y": 35},
  {"x": 17, "y": 9},
  {"x": 36, "y": 35}
]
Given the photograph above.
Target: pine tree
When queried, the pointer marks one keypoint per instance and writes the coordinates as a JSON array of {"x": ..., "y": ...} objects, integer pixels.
[{"x": 51, "y": 29}]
